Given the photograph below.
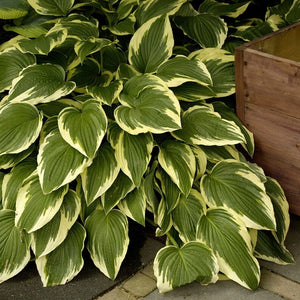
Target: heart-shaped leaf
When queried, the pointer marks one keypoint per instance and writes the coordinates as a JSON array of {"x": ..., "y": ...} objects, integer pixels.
[
  {"x": 147, "y": 105},
  {"x": 52, "y": 7},
  {"x": 234, "y": 185},
  {"x": 20, "y": 125},
  {"x": 107, "y": 240},
  {"x": 174, "y": 266},
  {"x": 83, "y": 129}
]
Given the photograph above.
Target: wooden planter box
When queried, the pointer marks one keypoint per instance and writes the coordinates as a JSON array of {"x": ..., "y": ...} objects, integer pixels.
[{"x": 268, "y": 103}]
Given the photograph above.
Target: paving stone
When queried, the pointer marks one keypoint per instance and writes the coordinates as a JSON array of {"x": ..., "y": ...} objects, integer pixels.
[
  {"x": 148, "y": 270},
  {"x": 140, "y": 285},
  {"x": 117, "y": 294},
  {"x": 292, "y": 244},
  {"x": 219, "y": 291},
  {"x": 279, "y": 285},
  {"x": 149, "y": 250}
]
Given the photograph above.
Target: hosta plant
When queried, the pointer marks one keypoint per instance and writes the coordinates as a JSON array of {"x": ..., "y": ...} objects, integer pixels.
[{"x": 113, "y": 110}]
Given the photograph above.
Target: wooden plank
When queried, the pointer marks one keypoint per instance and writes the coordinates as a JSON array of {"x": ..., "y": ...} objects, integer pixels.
[
  {"x": 286, "y": 174},
  {"x": 272, "y": 83},
  {"x": 275, "y": 131}
]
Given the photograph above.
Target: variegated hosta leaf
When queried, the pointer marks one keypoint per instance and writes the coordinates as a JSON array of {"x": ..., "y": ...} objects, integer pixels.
[
  {"x": 202, "y": 126},
  {"x": 164, "y": 219},
  {"x": 178, "y": 160},
  {"x": 107, "y": 240},
  {"x": 58, "y": 162},
  {"x": 133, "y": 154},
  {"x": 50, "y": 125},
  {"x": 169, "y": 188},
  {"x": 85, "y": 48},
  {"x": 228, "y": 114},
  {"x": 100, "y": 175},
  {"x": 174, "y": 267},
  {"x": 151, "y": 44},
  {"x": 1, "y": 181},
  {"x": 51, "y": 7},
  {"x": 44, "y": 43},
  {"x": 65, "y": 262},
  {"x": 201, "y": 162},
  {"x": 126, "y": 71},
  {"x": 223, "y": 9},
  {"x": 134, "y": 205},
  {"x": 80, "y": 29},
  {"x": 153, "y": 8},
  {"x": 106, "y": 93},
  {"x": 147, "y": 105},
  {"x": 12, "y": 62},
  {"x": 293, "y": 14},
  {"x": 218, "y": 153},
  {"x": 34, "y": 209},
  {"x": 84, "y": 128},
  {"x": 181, "y": 69},
  {"x": 117, "y": 191},
  {"x": 50, "y": 236},
  {"x": 124, "y": 27},
  {"x": 207, "y": 30},
  {"x": 234, "y": 185},
  {"x": 187, "y": 213},
  {"x": 14, "y": 246},
  {"x": 281, "y": 208},
  {"x": 125, "y": 7},
  {"x": 40, "y": 84},
  {"x": 268, "y": 248},
  {"x": 20, "y": 125},
  {"x": 13, "y": 181},
  {"x": 8, "y": 161},
  {"x": 13, "y": 9},
  {"x": 220, "y": 64},
  {"x": 230, "y": 241}
]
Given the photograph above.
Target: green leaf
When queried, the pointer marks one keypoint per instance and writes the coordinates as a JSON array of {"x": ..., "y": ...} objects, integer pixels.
[
  {"x": 106, "y": 94},
  {"x": 151, "y": 45},
  {"x": 13, "y": 9},
  {"x": 133, "y": 154},
  {"x": 14, "y": 246},
  {"x": 40, "y": 84},
  {"x": 84, "y": 128},
  {"x": 125, "y": 72},
  {"x": 87, "y": 47},
  {"x": 8, "y": 161},
  {"x": 174, "y": 267},
  {"x": 124, "y": 27},
  {"x": 268, "y": 248},
  {"x": 117, "y": 191},
  {"x": 169, "y": 189},
  {"x": 58, "y": 162},
  {"x": 134, "y": 205},
  {"x": 163, "y": 219},
  {"x": 228, "y": 114},
  {"x": 234, "y": 185},
  {"x": 201, "y": 161},
  {"x": 220, "y": 64},
  {"x": 44, "y": 43},
  {"x": 218, "y": 153},
  {"x": 12, "y": 62},
  {"x": 181, "y": 69},
  {"x": 147, "y": 106},
  {"x": 100, "y": 175},
  {"x": 107, "y": 240},
  {"x": 206, "y": 29},
  {"x": 20, "y": 125},
  {"x": 50, "y": 236},
  {"x": 13, "y": 181},
  {"x": 281, "y": 208},
  {"x": 228, "y": 237},
  {"x": 187, "y": 213},
  {"x": 223, "y": 9},
  {"x": 178, "y": 160},
  {"x": 65, "y": 262},
  {"x": 293, "y": 15},
  {"x": 34, "y": 209},
  {"x": 52, "y": 7},
  {"x": 202, "y": 126},
  {"x": 153, "y": 8}
]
